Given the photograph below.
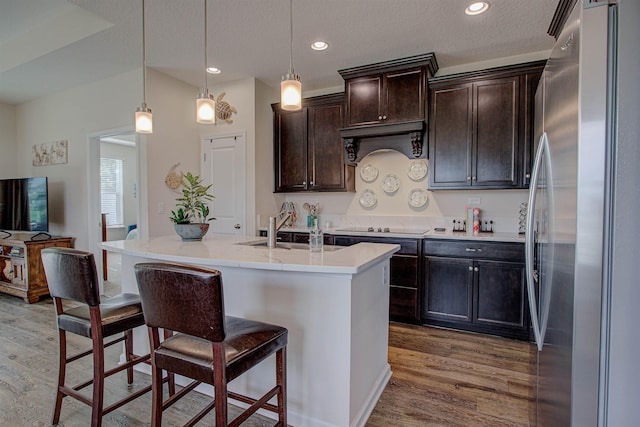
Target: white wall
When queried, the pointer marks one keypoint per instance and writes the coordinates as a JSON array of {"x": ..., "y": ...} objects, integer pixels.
[
  {"x": 496, "y": 62},
  {"x": 8, "y": 141},
  {"x": 107, "y": 104},
  {"x": 240, "y": 94},
  {"x": 72, "y": 115},
  {"x": 175, "y": 138},
  {"x": 267, "y": 202}
]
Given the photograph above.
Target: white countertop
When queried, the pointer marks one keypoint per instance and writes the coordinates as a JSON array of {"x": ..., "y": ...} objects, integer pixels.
[
  {"x": 224, "y": 250},
  {"x": 432, "y": 234}
]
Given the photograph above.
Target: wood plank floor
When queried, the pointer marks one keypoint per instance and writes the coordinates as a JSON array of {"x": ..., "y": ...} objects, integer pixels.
[
  {"x": 440, "y": 378},
  {"x": 450, "y": 378}
]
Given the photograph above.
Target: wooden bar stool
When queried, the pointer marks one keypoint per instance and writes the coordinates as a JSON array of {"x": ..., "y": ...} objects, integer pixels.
[
  {"x": 72, "y": 275},
  {"x": 208, "y": 347}
]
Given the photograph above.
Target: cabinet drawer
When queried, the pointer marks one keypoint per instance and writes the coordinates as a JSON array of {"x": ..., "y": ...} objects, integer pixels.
[
  {"x": 502, "y": 251},
  {"x": 403, "y": 303},
  {"x": 404, "y": 271},
  {"x": 407, "y": 246}
]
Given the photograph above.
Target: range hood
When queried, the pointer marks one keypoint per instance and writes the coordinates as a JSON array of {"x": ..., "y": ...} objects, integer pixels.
[
  {"x": 405, "y": 137},
  {"x": 386, "y": 107}
]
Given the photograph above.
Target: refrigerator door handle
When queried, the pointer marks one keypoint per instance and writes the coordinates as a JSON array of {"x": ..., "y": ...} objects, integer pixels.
[{"x": 530, "y": 241}]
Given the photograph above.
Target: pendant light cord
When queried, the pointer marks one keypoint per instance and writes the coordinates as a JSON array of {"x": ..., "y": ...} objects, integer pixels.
[
  {"x": 144, "y": 62},
  {"x": 206, "y": 89},
  {"x": 291, "y": 36}
]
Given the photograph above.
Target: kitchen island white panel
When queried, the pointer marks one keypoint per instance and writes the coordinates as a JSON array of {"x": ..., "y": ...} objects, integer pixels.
[{"x": 334, "y": 304}]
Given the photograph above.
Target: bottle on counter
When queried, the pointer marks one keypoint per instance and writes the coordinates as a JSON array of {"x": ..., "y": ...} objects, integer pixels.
[
  {"x": 311, "y": 219},
  {"x": 476, "y": 221},
  {"x": 316, "y": 239},
  {"x": 469, "y": 221}
]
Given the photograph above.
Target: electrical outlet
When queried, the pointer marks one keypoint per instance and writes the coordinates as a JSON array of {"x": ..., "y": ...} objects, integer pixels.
[
  {"x": 161, "y": 207},
  {"x": 473, "y": 201}
]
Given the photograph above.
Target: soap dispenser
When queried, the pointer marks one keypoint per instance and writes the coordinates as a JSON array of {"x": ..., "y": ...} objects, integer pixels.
[{"x": 316, "y": 241}]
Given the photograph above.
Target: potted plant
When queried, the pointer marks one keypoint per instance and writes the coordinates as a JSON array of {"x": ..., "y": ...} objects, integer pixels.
[{"x": 192, "y": 216}]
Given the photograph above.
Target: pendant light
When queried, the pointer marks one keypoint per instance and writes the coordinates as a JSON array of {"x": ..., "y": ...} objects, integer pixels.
[
  {"x": 205, "y": 105},
  {"x": 290, "y": 87},
  {"x": 144, "y": 119}
]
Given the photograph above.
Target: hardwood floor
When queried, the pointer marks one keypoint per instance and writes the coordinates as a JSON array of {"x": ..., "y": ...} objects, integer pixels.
[
  {"x": 449, "y": 378},
  {"x": 440, "y": 378}
]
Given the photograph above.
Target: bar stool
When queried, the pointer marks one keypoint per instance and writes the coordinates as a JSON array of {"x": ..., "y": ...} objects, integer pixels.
[
  {"x": 71, "y": 275},
  {"x": 208, "y": 347}
]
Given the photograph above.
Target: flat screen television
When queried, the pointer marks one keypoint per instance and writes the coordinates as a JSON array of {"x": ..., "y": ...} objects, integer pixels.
[{"x": 24, "y": 204}]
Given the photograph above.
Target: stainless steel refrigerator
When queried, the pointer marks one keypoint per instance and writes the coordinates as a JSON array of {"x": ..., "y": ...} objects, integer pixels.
[{"x": 583, "y": 214}]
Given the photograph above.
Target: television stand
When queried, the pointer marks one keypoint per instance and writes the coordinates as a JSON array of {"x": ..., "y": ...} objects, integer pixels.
[{"x": 21, "y": 270}]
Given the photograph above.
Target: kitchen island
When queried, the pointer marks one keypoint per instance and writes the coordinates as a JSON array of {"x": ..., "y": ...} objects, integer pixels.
[{"x": 334, "y": 304}]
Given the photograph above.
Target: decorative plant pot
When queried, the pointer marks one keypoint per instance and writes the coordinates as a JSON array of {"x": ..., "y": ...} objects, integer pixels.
[{"x": 191, "y": 232}]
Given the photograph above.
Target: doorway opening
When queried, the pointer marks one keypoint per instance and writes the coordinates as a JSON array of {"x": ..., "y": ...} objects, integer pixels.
[{"x": 117, "y": 188}]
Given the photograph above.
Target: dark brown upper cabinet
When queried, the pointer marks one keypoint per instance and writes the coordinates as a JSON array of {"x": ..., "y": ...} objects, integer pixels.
[
  {"x": 387, "y": 99},
  {"x": 480, "y": 128},
  {"x": 308, "y": 150}
]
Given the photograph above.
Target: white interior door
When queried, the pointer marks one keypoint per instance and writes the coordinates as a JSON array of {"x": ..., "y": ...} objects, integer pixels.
[{"x": 223, "y": 166}]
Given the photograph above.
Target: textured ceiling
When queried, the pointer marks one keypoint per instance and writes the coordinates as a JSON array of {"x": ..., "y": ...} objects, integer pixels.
[{"x": 51, "y": 45}]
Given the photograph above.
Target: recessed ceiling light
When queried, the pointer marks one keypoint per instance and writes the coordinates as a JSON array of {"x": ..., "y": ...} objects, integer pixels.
[
  {"x": 477, "y": 8},
  {"x": 319, "y": 45},
  {"x": 213, "y": 70}
]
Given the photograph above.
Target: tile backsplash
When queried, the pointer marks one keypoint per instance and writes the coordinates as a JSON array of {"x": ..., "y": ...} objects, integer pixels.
[{"x": 396, "y": 208}]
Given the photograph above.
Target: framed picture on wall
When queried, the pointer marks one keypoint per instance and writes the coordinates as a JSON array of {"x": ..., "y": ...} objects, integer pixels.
[{"x": 50, "y": 153}]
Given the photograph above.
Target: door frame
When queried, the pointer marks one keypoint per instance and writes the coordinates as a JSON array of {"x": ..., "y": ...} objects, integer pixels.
[{"x": 94, "y": 223}]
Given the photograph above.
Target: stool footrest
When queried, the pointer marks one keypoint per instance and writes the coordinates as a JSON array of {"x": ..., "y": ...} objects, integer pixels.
[
  {"x": 255, "y": 405},
  {"x": 130, "y": 363}
]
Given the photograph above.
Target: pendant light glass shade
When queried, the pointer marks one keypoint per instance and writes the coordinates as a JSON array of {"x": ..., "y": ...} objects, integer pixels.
[
  {"x": 205, "y": 105},
  {"x": 291, "y": 92},
  {"x": 144, "y": 119},
  {"x": 290, "y": 87},
  {"x": 143, "y": 116},
  {"x": 205, "y": 108}
]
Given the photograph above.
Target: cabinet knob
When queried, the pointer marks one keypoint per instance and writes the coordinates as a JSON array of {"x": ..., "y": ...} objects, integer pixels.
[
  {"x": 304, "y": 182},
  {"x": 468, "y": 178},
  {"x": 473, "y": 178},
  {"x": 527, "y": 175},
  {"x": 470, "y": 268},
  {"x": 379, "y": 117},
  {"x": 237, "y": 226},
  {"x": 384, "y": 117},
  {"x": 311, "y": 183},
  {"x": 475, "y": 269}
]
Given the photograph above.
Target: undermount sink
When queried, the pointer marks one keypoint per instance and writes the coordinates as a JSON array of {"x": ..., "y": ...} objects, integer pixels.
[{"x": 262, "y": 244}]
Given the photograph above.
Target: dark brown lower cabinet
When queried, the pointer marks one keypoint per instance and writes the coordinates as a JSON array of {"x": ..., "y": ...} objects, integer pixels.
[
  {"x": 404, "y": 282},
  {"x": 449, "y": 293},
  {"x": 500, "y": 295},
  {"x": 477, "y": 287}
]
